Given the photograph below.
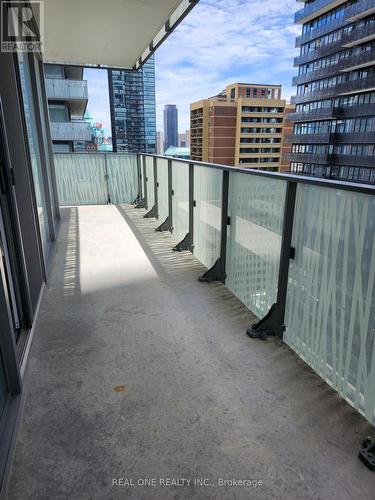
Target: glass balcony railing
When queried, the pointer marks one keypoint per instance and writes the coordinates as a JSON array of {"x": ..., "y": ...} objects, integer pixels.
[
  {"x": 70, "y": 131},
  {"x": 317, "y": 8},
  {"x": 66, "y": 89},
  {"x": 299, "y": 252}
]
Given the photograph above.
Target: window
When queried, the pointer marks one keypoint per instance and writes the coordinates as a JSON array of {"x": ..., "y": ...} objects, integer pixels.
[{"x": 58, "y": 113}]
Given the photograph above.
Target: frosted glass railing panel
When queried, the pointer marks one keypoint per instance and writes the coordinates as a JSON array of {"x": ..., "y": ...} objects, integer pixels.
[
  {"x": 162, "y": 167},
  {"x": 207, "y": 214},
  {"x": 256, "y": 207},
  {"x": 180, "y": 199},
  {"x": 330, "y": 313},
  {"x": 122, "y": 178},
  {"x": 81, "y": 179},
  {"x": 150, "y": 181}
]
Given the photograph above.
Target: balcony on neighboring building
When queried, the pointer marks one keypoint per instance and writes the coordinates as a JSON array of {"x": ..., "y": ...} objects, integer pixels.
[
  {"x": 318, "y": 138},
  {"x": 70, "y": 131},
  {"x": 355, "y": 61},
  {"x": 324, "y": 113},
  {"x": 340, "y": 89},
  {"x": 352, "y": 13},
  {"x": 73, "y": 92},
  {"x": 314, "y": 9}
]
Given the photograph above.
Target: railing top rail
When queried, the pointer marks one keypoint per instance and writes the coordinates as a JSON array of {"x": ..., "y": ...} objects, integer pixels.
[
  {"x": 94, "y": 153},
  {"x": 297, "y": 178},
  {"x": 302, "y": 179}
]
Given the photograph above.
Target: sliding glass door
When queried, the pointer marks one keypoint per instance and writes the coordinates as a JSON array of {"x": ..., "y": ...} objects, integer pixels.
[{"x": 35, "y": 153}]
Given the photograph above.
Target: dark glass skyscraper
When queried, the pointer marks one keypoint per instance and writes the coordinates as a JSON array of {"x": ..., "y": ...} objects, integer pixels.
[
  {"x": 334, "y": 130},
  {"x": 132, "y": 104},
  {"x": 170, "y": 126}
]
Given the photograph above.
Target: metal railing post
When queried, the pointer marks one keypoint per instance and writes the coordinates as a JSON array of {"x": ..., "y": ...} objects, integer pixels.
[
  {"x": 156, "y": 186},
  {"x": 273, "y": 323},
  {"x": 218, "y": 270},
  {"x": 187, "y": 242},
  {"x": 106, "y": 176},
  {"x": 139, "y": 178},
  {"x": 170, "y": 195},
  {"x": 143, "y": 203}
]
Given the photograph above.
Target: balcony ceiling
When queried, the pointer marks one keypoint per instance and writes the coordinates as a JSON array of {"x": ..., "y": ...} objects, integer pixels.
[{"x": 113, "y": 33}]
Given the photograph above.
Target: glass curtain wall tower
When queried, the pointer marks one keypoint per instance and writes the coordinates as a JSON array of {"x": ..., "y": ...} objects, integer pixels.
[
  {"x": 170, "y": 126},
  {"x": 334, "y": 131},
  {"x": 132, "y": 106}
]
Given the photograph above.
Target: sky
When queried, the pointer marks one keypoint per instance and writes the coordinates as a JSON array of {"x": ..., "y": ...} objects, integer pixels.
[{"x": 218, "y": 43}]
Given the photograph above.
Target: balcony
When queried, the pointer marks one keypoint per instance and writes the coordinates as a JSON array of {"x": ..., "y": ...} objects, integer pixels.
[
  {"x": 351, "y": 160},
  {"x": 313, "y": 114},
  {"x": 350, "y": 64},
  {"x": 70, "y": 131},
  {"x": 355, "y": 110},
  {"x": 352, "y": 137},
  {"x": 352, "y": 13},
  {"x": 322, "y": 138},
  {"x": 315, "y": 9},
  {"x": 344, "y": 88},
  {"x": 139, "y": 367},
  {"x": 355, "y": 37},
  {"x": 307, "y": 157},
  {"x": 73, "y": 92},
  {"x": 66, "y": 89}
]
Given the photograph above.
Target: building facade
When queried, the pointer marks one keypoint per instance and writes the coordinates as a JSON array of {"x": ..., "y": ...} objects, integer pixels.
[
  {"x": 334, "y": 131},
  {"x": 286, "y": 147},
  {"x": 133, "y": 110},
  {"x": 67, "y": 101},
  {"x": 184, "y": 139},
  {"x": 159, "y": 142},
  {"x": 242, "y": 126},
  {"x": 170, "y": 126}
]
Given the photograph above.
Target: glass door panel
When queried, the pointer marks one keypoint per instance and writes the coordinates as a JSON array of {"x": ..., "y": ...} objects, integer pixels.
[{"x": 32, "y": 135}]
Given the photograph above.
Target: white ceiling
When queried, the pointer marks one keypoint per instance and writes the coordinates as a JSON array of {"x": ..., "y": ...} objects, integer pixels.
[{"x": 112, "y": 33}]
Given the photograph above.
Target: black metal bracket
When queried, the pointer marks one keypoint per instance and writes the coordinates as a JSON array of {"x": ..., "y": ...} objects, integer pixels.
[
  {"x": 218, "y": 270},
  {"x": 185, "y": 244},
  {"x": 165, "y": 226},
  {"x": 270, "y": 324},
  {"x": 152, "y": 213},
  {"x": 216, "y": 273},
  {"x": 137, "y": 200},
  {"x": 273, "y": 323},
  {"x": 142, "y": 203},
  {"x": 367, "y": 453}
]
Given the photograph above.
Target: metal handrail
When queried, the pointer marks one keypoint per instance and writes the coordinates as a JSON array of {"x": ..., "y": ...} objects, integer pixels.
[{"x": 302, "y": 179}]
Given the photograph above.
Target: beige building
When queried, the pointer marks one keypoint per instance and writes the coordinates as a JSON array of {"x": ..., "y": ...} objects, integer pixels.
[{"x": 242, "y": 126}]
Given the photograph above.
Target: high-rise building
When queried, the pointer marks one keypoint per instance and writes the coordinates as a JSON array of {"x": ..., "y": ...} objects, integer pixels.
[
  {"x": 170, "y": 126},
  {"x": 67, "y": 101},
  {"x": 187, "y": 137},
  {"x": 182, "y": 140},
  {"x": 242, "y": 126},
  {"x": 132, "y": 105},
  {"x": 286, "y": 147},
  {"x": 159, "y": 142},
  {"x": 334, "y": 131}
]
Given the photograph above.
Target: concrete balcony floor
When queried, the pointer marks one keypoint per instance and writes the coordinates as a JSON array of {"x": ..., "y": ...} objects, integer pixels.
[{"x": 139, "y": 371}]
